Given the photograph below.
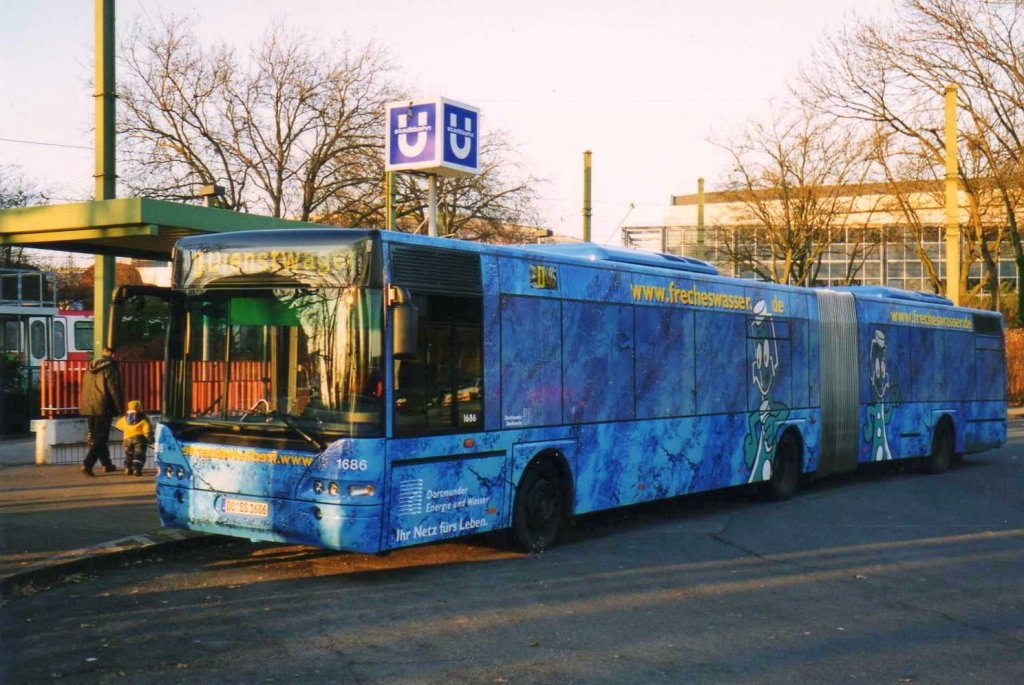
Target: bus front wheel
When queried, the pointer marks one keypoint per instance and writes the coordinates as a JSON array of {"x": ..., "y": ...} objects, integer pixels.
[{"x": 539, "y": 512}]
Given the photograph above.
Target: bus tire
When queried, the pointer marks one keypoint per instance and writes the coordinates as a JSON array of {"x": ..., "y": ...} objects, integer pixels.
[
  {"x": 539, "y": 512},
  {"x": 943, "y": 446},
  {"x": 786, "y": 472}
]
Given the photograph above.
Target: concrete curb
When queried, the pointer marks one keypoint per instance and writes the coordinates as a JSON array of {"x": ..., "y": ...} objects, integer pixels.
[{"x": 50, "y": 570}]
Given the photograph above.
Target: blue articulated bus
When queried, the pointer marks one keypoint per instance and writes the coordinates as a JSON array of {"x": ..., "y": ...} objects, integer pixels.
[{"x": 366, "y": 391}]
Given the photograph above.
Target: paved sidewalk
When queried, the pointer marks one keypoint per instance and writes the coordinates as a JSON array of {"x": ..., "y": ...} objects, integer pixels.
[
  {"x": 17, "y": 449},
  {"x": 54, "y": 520},
  {"x": 46, "y": 510}
]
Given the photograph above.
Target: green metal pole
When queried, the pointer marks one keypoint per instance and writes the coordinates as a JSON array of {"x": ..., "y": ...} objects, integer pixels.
[
  {"x": 106, "y": 167},
  {"x": 700, "y": 218},
  {"x": 587, "y": 209}
]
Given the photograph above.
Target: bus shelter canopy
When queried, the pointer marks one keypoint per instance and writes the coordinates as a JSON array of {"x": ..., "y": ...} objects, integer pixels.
[{"x": 126, "y": 227}]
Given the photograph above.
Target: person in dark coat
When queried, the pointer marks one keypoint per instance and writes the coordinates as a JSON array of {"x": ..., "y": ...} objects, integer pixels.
[{"x": 100, "y": 402}]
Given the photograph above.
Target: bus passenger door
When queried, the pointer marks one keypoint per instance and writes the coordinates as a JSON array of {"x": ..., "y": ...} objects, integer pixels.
[{"x": 447, "y": 479}]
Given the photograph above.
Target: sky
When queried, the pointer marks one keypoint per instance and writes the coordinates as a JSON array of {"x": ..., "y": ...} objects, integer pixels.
[{"x": 645, "y": 85}]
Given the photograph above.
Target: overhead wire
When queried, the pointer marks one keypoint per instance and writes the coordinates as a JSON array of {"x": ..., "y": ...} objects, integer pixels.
[{"x": 45, "y": 144}]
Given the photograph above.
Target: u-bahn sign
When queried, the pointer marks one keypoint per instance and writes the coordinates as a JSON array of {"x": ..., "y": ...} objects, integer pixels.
[{"x": 438, "y": 136}]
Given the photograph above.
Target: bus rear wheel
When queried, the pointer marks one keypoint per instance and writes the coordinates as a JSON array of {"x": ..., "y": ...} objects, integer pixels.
[
  {"x": 786, "y": 468},
  {"x": 943, "y": 445},
  {"x": 539, "y": 512}
]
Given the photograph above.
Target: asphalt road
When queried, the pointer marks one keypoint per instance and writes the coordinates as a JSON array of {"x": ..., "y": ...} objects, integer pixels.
[{"x": 884, "y": 576}]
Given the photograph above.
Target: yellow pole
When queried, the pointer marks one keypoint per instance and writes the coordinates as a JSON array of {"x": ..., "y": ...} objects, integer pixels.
[
  {"x": 952, "y": 210},
  {"x": 700, "y": 218},
  {"x": 587, "y": 211}
]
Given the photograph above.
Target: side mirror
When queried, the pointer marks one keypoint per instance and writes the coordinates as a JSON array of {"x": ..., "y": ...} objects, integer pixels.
[{"x": 404, "y": 323}]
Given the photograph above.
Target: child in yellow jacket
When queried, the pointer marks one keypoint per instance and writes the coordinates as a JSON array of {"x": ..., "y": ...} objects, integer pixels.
[{"x": 138, "y": 435}]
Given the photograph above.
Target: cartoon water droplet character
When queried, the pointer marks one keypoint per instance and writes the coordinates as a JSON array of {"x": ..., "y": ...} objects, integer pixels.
[
  {"x": 879, "y": 412},
  {"x": 762, "y": 425}
]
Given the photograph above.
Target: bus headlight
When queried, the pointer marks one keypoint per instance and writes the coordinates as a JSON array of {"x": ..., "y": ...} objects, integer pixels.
[
  {"x": 181, "y": 473},
  {"x": 361, "y": 490},
  {"x": 169, "y": 471},
  {"x": 332, "y": 489},
  {"x": 318, "y": 486}
]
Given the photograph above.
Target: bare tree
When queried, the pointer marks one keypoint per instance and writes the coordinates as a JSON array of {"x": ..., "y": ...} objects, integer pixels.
[
  {"x": 285, "y": 133},
  {"x": 896, "y": 164},
  {"x": 892, "y": 76},
  {"x": 497, "y": 206},
  {"x": 791, "y": 177},
  {"x": 982, "y": 50},
  {"x": 15, "y": 191},
  {"x": 292, "y": 131}
]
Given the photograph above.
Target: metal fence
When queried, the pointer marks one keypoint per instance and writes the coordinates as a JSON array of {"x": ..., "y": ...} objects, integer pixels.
[{"x": 61, "y": 383}]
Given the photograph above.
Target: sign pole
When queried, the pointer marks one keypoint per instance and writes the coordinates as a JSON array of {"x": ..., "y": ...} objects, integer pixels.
[
  {"x": 390, "y": 222},
  {"x": 432, "y": 205},
  {"x": 433, "y": 137}
]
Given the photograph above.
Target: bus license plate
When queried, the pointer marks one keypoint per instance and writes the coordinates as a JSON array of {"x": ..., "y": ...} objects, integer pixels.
[{"x": 237, "y": 506}]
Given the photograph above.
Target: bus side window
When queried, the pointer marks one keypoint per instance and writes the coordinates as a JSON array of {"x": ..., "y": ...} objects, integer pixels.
[
  {"x": 990, "y": 366},
  {"x": 469, "y": 383},
  {"x": 441, "y": 390},
  {"x": 440, "y": 358},
  {"x": 723, "y": 373},
  {"x": 665, "y": 367}
]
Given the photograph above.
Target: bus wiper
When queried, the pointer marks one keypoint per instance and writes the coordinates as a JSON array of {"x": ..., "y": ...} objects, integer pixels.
[
  {"x": 287, "y": 420},
  {"x": 192, "y": 426}
]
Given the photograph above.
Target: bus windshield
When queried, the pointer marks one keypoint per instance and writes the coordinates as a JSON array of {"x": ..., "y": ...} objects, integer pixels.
[{"x": 282, "y": 358}]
